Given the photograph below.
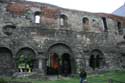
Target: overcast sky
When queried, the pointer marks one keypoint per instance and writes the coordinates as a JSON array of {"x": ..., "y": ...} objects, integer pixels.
[{"x": 106, "y": 6}]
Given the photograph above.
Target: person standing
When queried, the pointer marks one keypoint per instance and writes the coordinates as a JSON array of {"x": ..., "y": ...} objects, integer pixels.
[{"x": 83, "y": 76}]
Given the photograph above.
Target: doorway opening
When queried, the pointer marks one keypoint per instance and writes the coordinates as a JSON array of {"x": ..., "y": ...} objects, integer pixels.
[
  {"x": 53, "y": 69},
  {"x": 66, "y": 64}
]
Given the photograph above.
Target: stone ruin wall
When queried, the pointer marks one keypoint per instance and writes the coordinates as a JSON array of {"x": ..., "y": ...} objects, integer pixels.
[{"x": 81, "y": 35}]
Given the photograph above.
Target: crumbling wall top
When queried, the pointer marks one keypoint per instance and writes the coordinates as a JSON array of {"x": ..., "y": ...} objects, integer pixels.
[{"x": 7, "y": 1}]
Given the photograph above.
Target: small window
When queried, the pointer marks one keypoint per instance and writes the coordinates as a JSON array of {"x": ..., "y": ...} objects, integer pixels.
[
  {"x": 63, "y": 20},
  {"x": 119, "y": 28},
  {"x": 86, "y": 26},
  {"x": 85, "y": 20},
  {"x": 37, "y": 17},
  {"x": 105, "y": 24}
]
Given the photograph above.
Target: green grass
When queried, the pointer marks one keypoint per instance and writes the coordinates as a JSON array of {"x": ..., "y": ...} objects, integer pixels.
[
  {"x": 95, "y": 78},
  {"x": 103, "y": 78}
]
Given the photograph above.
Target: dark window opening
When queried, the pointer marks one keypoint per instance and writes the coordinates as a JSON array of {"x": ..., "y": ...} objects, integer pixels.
[
  {"x": 124, "y": 37},
  {"x": 120, "y": 30},
  {"x": 105, "y": 24},
  {"x": 63, "y": 20},
  {"x": 99, "y": 61},
  {"x": 85, "y": 20},
  {"x": 96, "y": 60},
  {"x": 37, "y": 17},
  {"x": 8, "y": 29},
  {"x": 122, "y": 61},
  {"x": 92, "y": 62}
]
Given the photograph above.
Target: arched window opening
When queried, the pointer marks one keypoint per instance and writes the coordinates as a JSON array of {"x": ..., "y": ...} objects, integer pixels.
[
  {"x": 37, "y": 17},
  {"x": 96, "y": 60},
  {"x": 25, "y": 60},
  {"x": 120, "y": 30},
  {"x": 63, "y": 20},
  {"x": 85, "y": 20},
  {"x": 105, "y": 24}
]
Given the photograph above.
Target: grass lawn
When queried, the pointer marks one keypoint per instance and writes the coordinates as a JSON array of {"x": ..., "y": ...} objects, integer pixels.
[{"x": 101, "y": 78}]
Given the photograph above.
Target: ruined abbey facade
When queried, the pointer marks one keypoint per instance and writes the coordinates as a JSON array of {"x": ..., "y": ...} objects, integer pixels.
[{"x": 38, "y": 37}]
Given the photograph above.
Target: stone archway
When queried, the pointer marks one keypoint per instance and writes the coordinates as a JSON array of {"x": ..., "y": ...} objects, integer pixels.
[
  {"x": 25, "y": 60},
  {"x": 96, "y": 59},
  {"x": 63, "y": 56},
  {"x": 6, "y": 61}
]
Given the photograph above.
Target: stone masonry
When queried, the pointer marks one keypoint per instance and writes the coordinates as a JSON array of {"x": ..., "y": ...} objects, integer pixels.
[{"x": 46, "y": 39}]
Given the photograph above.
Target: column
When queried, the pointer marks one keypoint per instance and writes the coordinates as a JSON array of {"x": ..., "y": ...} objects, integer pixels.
[{"x": 40, "y": 64}]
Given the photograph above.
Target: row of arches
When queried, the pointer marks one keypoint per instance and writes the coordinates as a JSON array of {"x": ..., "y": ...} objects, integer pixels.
[
  {"x": 23, "y": 62},
  {"x": 60, "y": 60}
]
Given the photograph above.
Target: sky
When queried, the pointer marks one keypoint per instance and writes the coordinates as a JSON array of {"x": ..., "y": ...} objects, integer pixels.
[{"x": 100, "y": 6}]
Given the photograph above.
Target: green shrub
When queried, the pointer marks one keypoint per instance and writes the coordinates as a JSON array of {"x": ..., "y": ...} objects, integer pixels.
[{"x": 2, "y": 80}]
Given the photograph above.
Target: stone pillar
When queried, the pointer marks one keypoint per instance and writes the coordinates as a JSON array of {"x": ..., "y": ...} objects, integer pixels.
[
  {"x": 78, "y": 65},
  {"x": 88, "y": 68},
  {"x": 40, "y": 66}
]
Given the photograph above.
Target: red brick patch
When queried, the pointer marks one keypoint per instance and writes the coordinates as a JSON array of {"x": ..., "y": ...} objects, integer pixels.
[
  {"x": 50, "y": 12},
  {"x": 17, "y": 8}
]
